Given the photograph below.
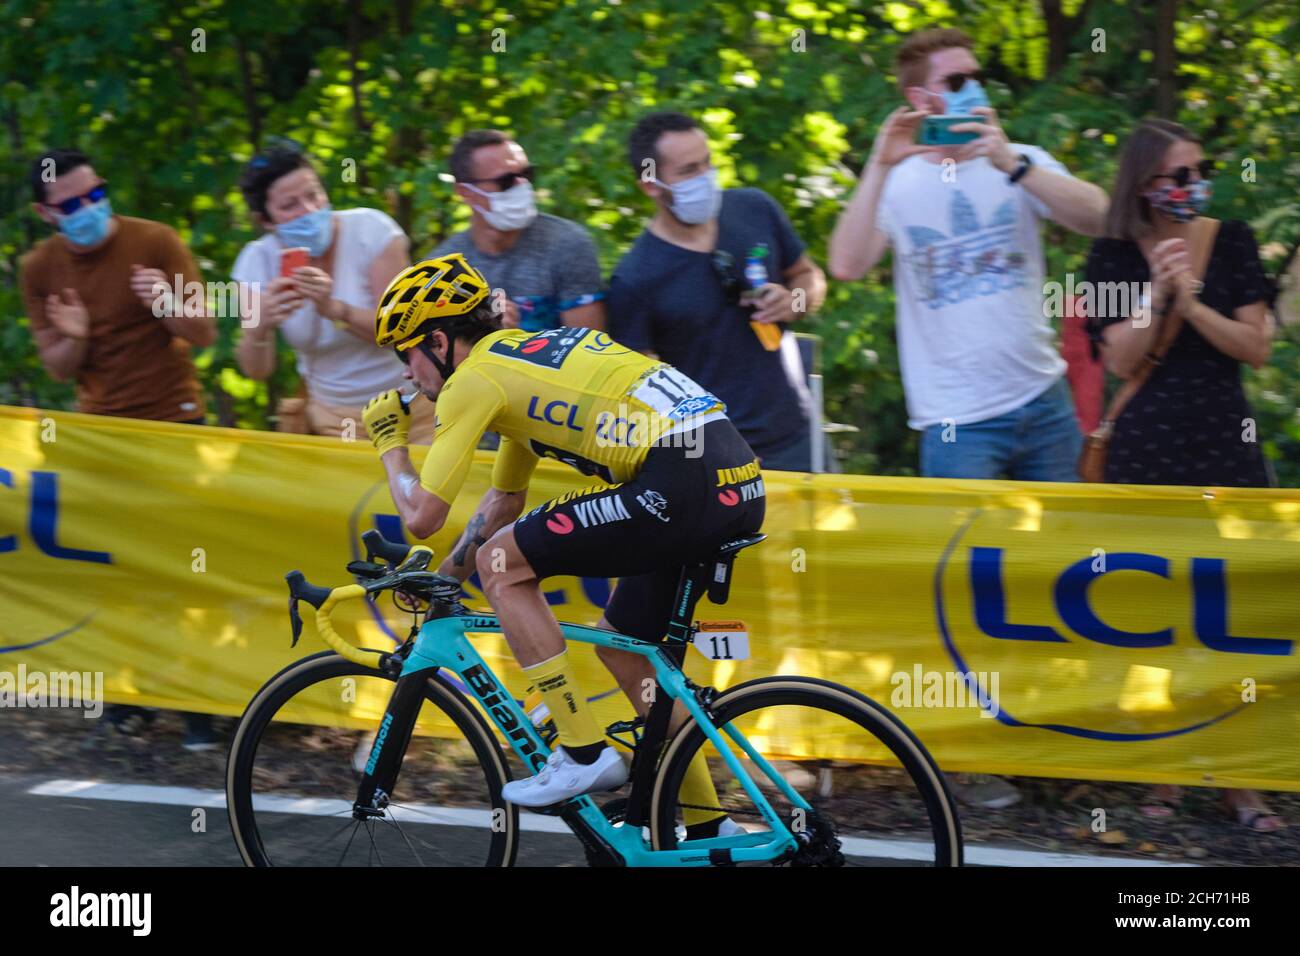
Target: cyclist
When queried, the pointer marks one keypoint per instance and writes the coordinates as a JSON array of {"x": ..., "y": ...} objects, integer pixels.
[{"x": 677, "y": 481}]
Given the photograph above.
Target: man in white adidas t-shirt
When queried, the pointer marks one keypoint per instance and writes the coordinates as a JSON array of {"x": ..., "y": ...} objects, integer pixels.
[{"x": 981, "y": 373}]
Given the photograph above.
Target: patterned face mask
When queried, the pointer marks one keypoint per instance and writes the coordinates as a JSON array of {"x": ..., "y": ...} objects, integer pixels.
[{"x": 1181, "y": 203}]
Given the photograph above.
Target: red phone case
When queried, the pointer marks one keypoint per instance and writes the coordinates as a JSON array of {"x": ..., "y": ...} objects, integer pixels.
[{"x": 291, "y": 259}]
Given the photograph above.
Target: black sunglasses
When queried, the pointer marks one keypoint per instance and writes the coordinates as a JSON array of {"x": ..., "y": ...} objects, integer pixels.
[
  {"x": 69, "y": 206},
  {"x": 404, "y": 355},
  {"x": 1183, "y": 174},
  {"x": 506, "y": 180},
  {"x": 955, "y": 81},
  {"x": 724, "y": 268}
]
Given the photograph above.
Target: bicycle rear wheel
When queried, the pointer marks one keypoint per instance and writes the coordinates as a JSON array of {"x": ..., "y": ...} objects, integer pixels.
[
  {"x": 872, "y": 786},
  {"x": 298, "y": 755}
]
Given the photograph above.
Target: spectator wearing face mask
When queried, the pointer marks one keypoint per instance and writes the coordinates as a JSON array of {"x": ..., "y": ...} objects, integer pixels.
[
  {"x": 711, "y": 285},
  {"x": 325, "y": 308},
  {"x": 983, "y": 379},
  {"x": 100, "y": 298},
  {"x": 543, "y": 269},
  {"x": 1183, "y": 422},
  {"x": 93, "y": 294}
]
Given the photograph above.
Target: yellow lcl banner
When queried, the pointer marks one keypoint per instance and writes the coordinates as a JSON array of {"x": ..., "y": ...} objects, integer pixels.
[{"x": 1101, "y": 632}]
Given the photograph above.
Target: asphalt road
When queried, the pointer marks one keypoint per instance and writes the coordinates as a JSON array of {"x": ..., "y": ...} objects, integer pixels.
[
  {"x": 60, "y": 827},
  {"x": 87, "y": 823}
]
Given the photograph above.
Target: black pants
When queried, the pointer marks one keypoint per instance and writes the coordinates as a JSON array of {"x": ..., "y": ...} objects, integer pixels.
[{"x": 683, "y": 505}]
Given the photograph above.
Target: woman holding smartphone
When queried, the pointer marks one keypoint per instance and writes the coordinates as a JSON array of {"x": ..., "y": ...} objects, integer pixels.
[
  {"x": 316, "y": 277},
  {"x": 1189, "y": 422}
]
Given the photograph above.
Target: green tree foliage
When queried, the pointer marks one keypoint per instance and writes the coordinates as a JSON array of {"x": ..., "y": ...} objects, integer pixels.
[{"x": 171, "y": 98}]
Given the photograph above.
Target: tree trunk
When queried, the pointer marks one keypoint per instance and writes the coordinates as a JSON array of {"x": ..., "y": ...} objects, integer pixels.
[
  {"x": 250, "y": 94},
  {"x": 1166, "y": 82},
  {"x": 14, "y": 123},
  {"x": 408, "y": 142},
  {"x": 1060, "y": 31}
]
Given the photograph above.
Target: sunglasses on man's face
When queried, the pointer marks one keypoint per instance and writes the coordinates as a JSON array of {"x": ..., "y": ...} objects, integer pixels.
[
  {"x": 1183, "y": 174},
  {"x": 955, "y": 81},
  {"x": 506, "y": 180},
  {"x": 69, "y": 206},
  {"x": 422, "y": 345}
]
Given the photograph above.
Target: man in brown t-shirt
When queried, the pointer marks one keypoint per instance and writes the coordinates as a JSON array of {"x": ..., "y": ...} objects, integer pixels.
[
  {"x": 94, "y": 309},
  {"x": 98, "y": 318}
]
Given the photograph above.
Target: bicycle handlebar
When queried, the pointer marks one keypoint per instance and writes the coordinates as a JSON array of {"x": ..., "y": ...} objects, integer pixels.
[
  {"x": 411, "y": 569},
  {"x": 377, "y": 546}
]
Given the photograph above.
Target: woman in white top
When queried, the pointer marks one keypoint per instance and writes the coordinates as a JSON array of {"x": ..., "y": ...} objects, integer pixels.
[{"x": 325, "y": 309}]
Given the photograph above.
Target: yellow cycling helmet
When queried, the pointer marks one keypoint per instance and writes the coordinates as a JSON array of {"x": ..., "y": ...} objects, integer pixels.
[{"x": 422, "y": 294}]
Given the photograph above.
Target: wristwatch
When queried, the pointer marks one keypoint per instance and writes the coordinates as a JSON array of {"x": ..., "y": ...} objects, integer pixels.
[{"x": 1019, "y": 171}]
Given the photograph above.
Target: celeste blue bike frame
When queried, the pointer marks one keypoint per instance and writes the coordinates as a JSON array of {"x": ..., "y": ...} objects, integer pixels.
[{"x": 442, "y": 643}]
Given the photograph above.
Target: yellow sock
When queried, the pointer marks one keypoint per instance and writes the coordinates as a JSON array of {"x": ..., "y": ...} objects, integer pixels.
[
  {"x": 697, "y": 788},
  {"x": 573, "y": 718}
]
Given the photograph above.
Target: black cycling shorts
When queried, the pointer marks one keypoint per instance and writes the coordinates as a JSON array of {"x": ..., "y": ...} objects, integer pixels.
[{"x": 683, "y": 505}]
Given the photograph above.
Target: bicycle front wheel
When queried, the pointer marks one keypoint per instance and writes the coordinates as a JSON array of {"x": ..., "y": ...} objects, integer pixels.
[
  {"x": 876, "y": 795},
  {"x": 299, "y": 752}
]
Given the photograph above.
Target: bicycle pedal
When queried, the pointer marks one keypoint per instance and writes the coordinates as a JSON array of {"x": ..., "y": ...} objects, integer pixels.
[
  {"x": 552, "y": 810},
  {"x": 630, "y": 727}
]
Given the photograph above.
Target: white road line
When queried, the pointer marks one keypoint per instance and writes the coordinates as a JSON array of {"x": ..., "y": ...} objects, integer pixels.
[{"x": 534, "y": 823}]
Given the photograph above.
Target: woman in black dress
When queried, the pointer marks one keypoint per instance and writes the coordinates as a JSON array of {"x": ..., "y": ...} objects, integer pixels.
[{"x": 1190, "y": 423}]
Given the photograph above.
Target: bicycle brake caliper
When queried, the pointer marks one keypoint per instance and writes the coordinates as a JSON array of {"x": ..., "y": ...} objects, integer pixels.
[{"x": 704, "y": 695}]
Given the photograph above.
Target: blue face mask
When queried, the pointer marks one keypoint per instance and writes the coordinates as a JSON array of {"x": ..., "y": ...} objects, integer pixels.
[
  {"x": 88, "y": 225},
  {"x": 961, "y": 103},
  {"x": 314, "y": 230}
]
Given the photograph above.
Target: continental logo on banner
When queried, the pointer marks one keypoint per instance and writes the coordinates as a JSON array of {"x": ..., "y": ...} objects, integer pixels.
[{"x": 1110, "y": 609}]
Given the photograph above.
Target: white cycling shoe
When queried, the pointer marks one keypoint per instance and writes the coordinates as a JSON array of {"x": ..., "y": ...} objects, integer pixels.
[{"x": 563, "y": 778}]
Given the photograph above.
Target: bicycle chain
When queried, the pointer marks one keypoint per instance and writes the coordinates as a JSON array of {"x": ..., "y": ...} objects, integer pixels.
[{"x": 743, "y": 813}]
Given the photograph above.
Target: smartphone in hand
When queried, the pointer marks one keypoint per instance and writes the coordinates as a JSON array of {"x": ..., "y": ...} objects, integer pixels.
[
  {"x": 937, "y": 130},
  {"x": 291, "y": 259}
]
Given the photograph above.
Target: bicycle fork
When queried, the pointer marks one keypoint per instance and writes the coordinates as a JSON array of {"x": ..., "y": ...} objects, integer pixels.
[{"x": 391, "y": 740}]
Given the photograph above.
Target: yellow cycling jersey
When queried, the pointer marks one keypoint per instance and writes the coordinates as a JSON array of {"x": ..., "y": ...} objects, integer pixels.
[{"x": 572, "y": 394}]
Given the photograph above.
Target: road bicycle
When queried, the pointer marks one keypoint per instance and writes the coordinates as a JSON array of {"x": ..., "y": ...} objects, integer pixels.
[{"x": 318, "y": 774}]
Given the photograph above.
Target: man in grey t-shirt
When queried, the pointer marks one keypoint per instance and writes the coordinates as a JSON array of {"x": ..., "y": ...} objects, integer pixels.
[{"x": 543, "y": 269}]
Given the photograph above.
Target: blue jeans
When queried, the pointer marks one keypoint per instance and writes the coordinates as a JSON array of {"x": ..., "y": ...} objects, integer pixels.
[{"x": 1039, "y": 441}]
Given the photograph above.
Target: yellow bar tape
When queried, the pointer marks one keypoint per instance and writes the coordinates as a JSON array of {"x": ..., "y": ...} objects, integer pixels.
[
  {"x": 348, "y": 592},
  {"x": 331, "y": 637}
]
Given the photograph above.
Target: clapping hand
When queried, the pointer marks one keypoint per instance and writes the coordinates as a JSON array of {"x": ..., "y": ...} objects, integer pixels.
[
  {"x": 1171, "y": 272},
  {"x": 68, "y": 314},
  {"x": 145, "y": 282}
]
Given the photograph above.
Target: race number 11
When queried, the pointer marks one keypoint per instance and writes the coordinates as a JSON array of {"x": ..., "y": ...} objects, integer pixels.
[{"x": 722, "y": 640}]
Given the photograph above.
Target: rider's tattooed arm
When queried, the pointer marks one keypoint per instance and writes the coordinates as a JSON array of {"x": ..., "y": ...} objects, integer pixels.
[
  {"x": 495, "y": 511},
  {"x": 472, "y": 538}
]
